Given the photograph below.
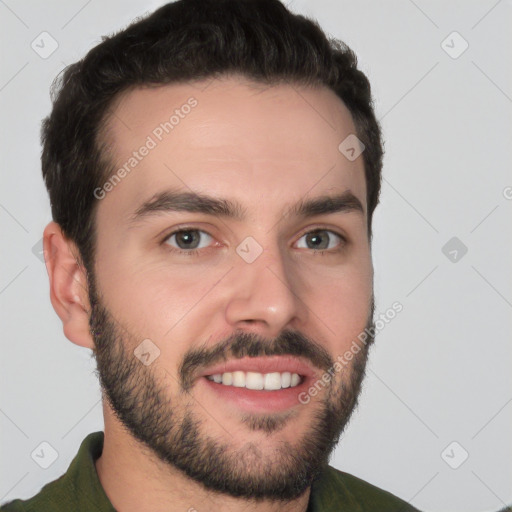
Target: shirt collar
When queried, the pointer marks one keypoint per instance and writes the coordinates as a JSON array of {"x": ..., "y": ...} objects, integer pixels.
[{"x": 83, "y": 478}]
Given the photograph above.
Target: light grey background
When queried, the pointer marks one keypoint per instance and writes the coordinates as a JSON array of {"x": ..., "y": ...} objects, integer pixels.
[{"x": 439, "y": 373}]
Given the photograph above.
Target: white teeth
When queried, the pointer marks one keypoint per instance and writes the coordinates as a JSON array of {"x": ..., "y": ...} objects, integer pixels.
[
  {"x": 238, "y": 379},
  {"x": 273, "y": 381},
  {"x": 258, "y": 381},
  {"x": 253, "y": 380}
]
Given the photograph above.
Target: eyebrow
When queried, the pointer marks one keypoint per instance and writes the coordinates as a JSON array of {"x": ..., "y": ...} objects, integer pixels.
[{"x": 194, "y": 202}]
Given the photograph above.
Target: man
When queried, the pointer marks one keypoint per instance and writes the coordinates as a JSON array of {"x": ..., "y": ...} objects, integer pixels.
[{"x": 213, "y": 170}]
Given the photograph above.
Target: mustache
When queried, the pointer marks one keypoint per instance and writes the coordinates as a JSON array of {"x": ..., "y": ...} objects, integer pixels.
[{"x": 249, "y": 344}]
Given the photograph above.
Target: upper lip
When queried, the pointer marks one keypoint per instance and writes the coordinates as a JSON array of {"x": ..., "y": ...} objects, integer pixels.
[{"x": 266, "y": 364}]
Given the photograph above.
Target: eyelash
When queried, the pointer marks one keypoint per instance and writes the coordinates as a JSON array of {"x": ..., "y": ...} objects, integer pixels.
[{"x": 196, "y": 252}]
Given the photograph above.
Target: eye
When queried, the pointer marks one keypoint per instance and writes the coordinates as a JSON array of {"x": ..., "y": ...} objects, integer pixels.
[
  {"x": 187, "y": 240},
  {"x": 321, "y": 240}
]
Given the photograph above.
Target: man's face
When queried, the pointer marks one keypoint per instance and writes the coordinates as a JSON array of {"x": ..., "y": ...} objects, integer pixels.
[{"x": 250, "y": 299}]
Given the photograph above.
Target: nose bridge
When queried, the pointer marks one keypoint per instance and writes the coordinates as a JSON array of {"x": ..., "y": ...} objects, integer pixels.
[{"x": 264, "y": 290}]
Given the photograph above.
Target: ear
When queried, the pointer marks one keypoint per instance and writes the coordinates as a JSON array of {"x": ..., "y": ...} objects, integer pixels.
[{"x": 68, "y": 285}]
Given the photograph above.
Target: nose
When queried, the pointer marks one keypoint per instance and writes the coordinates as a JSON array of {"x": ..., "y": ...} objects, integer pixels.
[{"x": 264, "y": 295}]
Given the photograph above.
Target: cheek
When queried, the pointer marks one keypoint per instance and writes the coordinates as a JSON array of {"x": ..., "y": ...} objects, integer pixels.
[
  {"x": 342, "y": 304},
  {"x": 161, "y": 302}
]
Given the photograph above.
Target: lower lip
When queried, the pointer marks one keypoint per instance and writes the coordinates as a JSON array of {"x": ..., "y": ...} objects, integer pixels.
[{"x": 259, "y": 400}]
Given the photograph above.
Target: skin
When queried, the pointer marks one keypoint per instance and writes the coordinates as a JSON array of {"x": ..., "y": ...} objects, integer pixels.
[{"x": 266, "y": 147}]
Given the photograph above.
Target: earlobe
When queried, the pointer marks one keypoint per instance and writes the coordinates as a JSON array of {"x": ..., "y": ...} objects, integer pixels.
[{"x": 68, "y": 285}]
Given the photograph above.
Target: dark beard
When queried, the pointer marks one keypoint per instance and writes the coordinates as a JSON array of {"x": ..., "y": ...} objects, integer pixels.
[{"x": 136, "y": 395}]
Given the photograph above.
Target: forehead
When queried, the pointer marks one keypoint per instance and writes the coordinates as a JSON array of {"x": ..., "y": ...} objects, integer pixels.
[{"x": 232, "y": 138}]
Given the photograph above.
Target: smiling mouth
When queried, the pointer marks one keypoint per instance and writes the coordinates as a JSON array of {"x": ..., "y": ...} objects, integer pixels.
[{"x": 258, "y": 381}]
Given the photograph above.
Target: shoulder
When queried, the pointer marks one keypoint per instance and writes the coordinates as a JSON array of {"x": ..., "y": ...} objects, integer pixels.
[
  {"x": 53, "y": 494},
  {"x": 335, "y": 489},
  {"x": 77, "y": 489},
  {"x": 13, "y": 506},
  {"x": 49, "y": 495}
]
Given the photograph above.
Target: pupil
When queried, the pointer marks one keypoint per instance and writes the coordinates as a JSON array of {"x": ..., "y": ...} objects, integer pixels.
[
  {"x": 316, "y": 239},
  {"x": 187, "y": 237}
]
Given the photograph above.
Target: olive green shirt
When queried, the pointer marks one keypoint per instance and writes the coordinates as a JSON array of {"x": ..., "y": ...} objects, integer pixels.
[{"x": 79, "y": 489}]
